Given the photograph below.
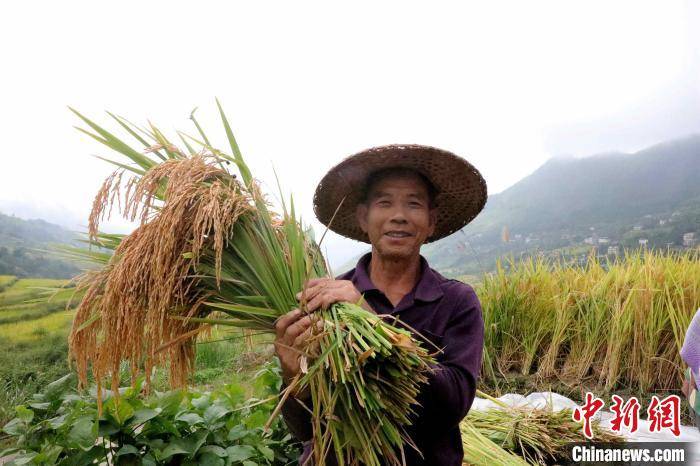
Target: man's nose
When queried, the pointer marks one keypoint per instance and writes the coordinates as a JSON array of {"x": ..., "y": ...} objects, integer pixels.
[{"x": 398, "y": 216}]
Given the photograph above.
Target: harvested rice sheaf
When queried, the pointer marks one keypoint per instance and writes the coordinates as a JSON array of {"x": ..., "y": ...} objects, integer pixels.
[
  {"x": 210, "y": 251},
  {"x": 538, "y": 436}
]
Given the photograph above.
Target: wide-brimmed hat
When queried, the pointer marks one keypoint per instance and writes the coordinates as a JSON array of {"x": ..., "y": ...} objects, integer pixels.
[{"x": 461, "y": 188}]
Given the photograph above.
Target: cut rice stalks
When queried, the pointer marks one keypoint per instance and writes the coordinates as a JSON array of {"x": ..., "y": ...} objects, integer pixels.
[{"x": 539, "y": 436}]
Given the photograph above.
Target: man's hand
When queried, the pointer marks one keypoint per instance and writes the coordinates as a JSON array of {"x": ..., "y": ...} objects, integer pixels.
[
  {"x": 321, "y": 293},
  {"x": 292, "y": 331}
]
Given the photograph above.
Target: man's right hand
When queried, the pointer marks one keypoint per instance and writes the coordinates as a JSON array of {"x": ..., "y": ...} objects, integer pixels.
[{"x": 292, "y": 331}]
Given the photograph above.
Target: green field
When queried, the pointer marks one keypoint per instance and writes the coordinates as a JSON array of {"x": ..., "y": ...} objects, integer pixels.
[
  {"x": 34, "y": 328},
  {"x": 33, "y": 343}
]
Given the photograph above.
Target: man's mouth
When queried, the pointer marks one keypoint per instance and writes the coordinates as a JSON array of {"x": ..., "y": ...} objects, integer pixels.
[{"x": 398, "y": 234}]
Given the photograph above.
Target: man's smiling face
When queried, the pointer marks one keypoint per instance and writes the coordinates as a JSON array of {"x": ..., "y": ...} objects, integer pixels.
[{"x": 397, "y": 215}]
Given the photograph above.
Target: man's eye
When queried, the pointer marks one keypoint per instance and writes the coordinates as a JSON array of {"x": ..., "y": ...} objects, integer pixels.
[{"x": 383, "y": 203}]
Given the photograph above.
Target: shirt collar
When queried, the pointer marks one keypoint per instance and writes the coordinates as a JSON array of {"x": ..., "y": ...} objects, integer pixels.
[{"x": 427, "y": 289}]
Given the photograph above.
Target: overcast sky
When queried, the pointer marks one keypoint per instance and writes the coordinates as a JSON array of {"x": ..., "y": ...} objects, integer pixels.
[{"x": 507, "y": 85}]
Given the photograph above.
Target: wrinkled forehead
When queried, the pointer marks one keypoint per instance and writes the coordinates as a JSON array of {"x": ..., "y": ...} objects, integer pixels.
[
  {"x": 405, "y": 181},
  {"x": 409, "y": 185}
]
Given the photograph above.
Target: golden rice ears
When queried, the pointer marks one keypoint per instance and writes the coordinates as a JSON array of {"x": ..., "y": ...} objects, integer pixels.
[{"x": 186, "y": 208}]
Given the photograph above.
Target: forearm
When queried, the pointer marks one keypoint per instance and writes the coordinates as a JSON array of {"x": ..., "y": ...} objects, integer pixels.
[
  {"x": 451, "y": 387},
  {"x": 297, "y": 418},
  {"x": 447, "y": 396}
]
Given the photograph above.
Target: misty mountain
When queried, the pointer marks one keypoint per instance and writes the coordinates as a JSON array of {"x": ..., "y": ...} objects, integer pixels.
[
  {"x": 566, "y": 199},
  {"x": 23, "y": 246}
]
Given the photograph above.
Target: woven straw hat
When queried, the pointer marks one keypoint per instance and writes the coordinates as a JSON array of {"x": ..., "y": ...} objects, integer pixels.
[{"x": 461, "y": 188}]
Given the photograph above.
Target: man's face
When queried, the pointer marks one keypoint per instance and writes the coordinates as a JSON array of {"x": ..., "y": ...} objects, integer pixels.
[{"x": 397, "y": 216}]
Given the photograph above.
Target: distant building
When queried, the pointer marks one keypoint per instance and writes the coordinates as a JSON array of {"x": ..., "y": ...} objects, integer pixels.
[
  {"x": 588, "y": 240},
  {"x": 603, "y": 240},
  {"x": 689, "y": 239},
  {"x": 662, "y": 222},
  {"x": 643, "y": 241},
  {"x": 613, "y": 250},
  {"x": 505, "y": 234},
  {"x": 637, "y": 228}
]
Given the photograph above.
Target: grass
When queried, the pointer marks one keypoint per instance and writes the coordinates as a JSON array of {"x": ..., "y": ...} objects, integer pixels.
[
  {"x": 222, "y": 357},
  {"x": 26, "y": 366}
]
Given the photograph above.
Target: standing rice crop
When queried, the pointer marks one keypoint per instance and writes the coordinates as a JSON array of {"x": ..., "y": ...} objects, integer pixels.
[{"x": 615, "y": 326}]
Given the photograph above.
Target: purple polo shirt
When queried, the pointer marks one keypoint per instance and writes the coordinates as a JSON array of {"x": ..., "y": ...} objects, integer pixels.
[{"x": 448, "y": 313}]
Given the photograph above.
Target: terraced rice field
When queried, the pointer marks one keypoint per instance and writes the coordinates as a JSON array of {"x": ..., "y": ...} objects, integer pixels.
[
  {"x": 37, "y": 328},
  {"x": 26, "y": 311},
  {"x": 6, "y": 281},
  {"x": 33, "y": 331}
]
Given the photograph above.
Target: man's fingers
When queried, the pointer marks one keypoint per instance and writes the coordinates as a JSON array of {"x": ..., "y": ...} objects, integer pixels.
[
  {"x": 326, "y": 298},
  {"x": 301, "y": 341},
  {"x": 315, "y": 281},
  {"x": 296, "y": 329},
  {"x": 320, "y": 301},
  {"x": 315, "y": 286},
  {"x": 311, "y": 288},
  {"x": 285, "y": 321}
]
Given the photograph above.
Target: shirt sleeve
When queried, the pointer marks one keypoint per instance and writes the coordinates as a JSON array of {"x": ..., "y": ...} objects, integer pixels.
[
  {"x": 297, "y": 418},
  {"x": 446, "y": 398}
]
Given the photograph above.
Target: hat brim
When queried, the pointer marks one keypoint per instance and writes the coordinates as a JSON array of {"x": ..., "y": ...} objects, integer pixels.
[{"x": 461, "y": 189}]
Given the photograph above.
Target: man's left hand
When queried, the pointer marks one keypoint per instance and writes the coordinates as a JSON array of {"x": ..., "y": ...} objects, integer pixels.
[{"x": 321, "y": 293}]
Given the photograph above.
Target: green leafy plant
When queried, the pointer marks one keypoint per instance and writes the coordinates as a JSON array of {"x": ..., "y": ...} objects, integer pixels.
[{"x": 179, "y": 427}]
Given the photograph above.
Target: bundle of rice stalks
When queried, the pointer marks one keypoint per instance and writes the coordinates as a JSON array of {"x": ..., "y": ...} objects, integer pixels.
[
  {"x": 479, "y": 450},
  {"x": 540, "y": 436},
  {"x": 210, "y": 251}
]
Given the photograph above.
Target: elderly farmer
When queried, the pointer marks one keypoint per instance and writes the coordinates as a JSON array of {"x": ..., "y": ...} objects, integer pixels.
[{"x": 397, "y": 198}]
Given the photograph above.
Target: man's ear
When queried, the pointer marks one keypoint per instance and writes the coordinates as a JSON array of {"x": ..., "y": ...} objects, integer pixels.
[
  {"x": 361, "y": 215},
  {"x": 432, "y": 221}
]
